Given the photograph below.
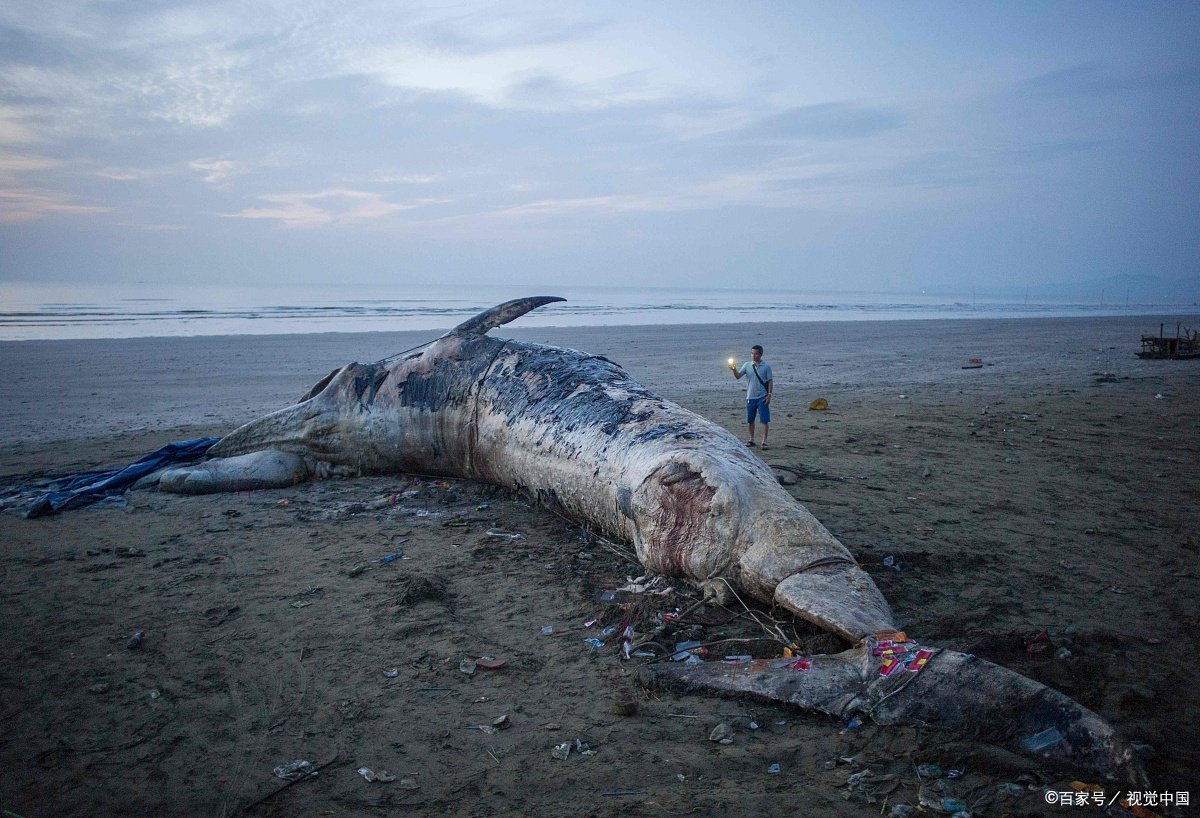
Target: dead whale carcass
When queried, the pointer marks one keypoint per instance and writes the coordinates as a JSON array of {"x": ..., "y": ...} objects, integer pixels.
[{"x": 574, "y": 430}]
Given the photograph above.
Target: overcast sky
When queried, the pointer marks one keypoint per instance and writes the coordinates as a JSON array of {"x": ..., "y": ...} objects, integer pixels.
[{"x": 804, "y": 145}]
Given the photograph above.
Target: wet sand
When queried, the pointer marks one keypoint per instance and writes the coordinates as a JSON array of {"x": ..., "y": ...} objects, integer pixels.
[{"x": 1054, "y": 489}]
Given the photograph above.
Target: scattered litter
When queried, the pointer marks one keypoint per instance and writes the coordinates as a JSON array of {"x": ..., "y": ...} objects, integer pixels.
[
  {"x": 100, "y": 687},
  {"x": 929, "y": 771},
  {"x": 1012, "y": 790},
  {"x": 1040, "y": 741},
  {"x": 609, "y": 631},
  {"x": 739, "y": 657},
  {"x": 1039, "y": 643},
  {"x": 684, "y": 650},
  {"x": 890, "y": 562},
  {"x": 391, "y": 557},
  {"x": 819, "y": 404},
  {"x": 583, "y": 749},
  {"x": 356, "y": 569},
  {"x": 547, "y": 629},
  {"x": 468, "y": 666},
  {"x": 773, "y": 769},
  {"x": 393, "y": 673},
  {"x": 135, "y": 641},
  {"x": 303, "y": 603},
  {"x": 954, "y": 775},
  {"x": 490, "y": 662},
  {"x": 953, "y": 805},
  {"x": 561, "y": 751},
  {"x": 295, "y": 770},
  {"x": 589, "y": 623},
  {"x": 154, "y": 694},
  {"x": 382, "y": 776},
  {"x": 903, "y": 810},
  {"x": 491, "y": 532},
  {"x": 854, "y": 722},
  {"x": 1062, "y": 653},
  {"x": 873, "y": 785},
  {"x": 721, "y": 734},
  {"x": 594, "y": 642},
  {"x": 643, "y": 654}
]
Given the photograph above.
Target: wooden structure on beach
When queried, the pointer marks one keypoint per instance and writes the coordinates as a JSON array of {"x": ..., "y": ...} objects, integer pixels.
[{"x": 1183, "y": 345}]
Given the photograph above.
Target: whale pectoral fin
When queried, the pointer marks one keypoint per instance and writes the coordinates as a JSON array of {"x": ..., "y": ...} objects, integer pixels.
[
  {"x": 839, "y": 597},
  {"x": 268, "y": 469},
  {"x": 502, "y": 314},
  {"x": 954, "y": 691}
]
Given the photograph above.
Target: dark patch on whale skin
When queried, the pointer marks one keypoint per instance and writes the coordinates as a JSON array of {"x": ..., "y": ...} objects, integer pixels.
[
  {"x": 540, "y": 383},
  {"x": 370, "y": 379}
]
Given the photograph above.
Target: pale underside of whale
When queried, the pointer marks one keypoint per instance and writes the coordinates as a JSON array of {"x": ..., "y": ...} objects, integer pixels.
[{"x": 577, "y": 432}]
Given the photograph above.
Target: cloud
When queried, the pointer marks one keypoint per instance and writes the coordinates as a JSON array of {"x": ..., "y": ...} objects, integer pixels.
[
  {"x": 12, "y": 130},
  {"x": 615, "y": 204},
  {"x": 216, "y": 172},
  {"x": 18, "y": 205},
  {"x": 1099, "y": 79},
  {"x": 325, "y": 207},
  {"x": 12, "y": 164},
  {"x": 827, "y": 120}
]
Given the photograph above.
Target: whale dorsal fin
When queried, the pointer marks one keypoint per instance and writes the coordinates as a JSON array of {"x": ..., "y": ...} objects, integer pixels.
[{"x": 502, "y": 314}]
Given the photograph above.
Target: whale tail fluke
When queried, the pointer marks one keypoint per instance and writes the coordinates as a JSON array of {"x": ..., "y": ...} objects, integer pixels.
[
  {"x": 954, "y": 691},
  {"x": 502, "y": 314}
]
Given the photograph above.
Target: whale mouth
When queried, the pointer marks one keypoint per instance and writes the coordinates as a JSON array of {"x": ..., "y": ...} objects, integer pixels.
[{"x": 838, "y": 597}]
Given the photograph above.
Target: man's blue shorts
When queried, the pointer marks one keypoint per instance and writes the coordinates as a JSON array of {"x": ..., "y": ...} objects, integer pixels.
[{"x": 755, "y": 406}]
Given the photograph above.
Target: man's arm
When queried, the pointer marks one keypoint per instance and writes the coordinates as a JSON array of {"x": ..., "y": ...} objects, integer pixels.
[{"x": 770, "y": 389}]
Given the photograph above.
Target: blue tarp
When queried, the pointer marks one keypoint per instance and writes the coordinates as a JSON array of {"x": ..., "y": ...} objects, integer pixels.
[{"x": 70, "y": 491}]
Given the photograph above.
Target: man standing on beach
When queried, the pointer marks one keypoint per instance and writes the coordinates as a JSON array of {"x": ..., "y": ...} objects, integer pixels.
[{"x": 758, "y": 393}]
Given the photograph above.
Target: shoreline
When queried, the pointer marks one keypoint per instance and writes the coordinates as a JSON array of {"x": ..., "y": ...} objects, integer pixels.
[{"x": 70, "y": 390}]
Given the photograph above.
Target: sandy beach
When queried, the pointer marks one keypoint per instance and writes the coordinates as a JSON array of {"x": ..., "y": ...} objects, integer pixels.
[{"x": 1054, "y": 489}]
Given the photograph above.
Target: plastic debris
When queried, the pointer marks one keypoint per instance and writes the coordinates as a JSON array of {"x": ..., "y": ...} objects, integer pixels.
[
  {"x": 100, "y": 687},
  {"x": 740, "y": 657},
  {"x": 903, "y": 811},
  {"x": 774, "y": 769},
  {"x": 489, "y": 662},
  {"x": 382, "y": 776},
  {"x": 890, "y": 562},
  {"x": 356, "y": 570},
  {"x": 392, "y": 557},
  {"x": 135, "y": 641},
  {"x": 820, "y": 404},
  {"x": 393, "y": 673},
  {"x": 609, "y": 631},
  {"x": 594, "y": 642},
  {"x": 953, "y": 805},
  {"x": 491, "y": 532},
  {"x": 1046, "y": 738},
  {"x": 561, "y": 751},
  {"x": 929, "y": 771},
  {"x": 154, "y": 694},
  {"x": 954, "y": 775},
  {"x": 468, "y": 666},
  {"x": 854, "y": 722},
  {"x": 721, "y": 734},
  {"x": 295, "y": 770},
  {"x": 683, "y": 650},
  {"x": 547, "y": 629}
]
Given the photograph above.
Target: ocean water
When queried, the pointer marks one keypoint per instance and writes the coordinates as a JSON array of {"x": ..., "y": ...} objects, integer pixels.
[{"x": 34, "y": 311}]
